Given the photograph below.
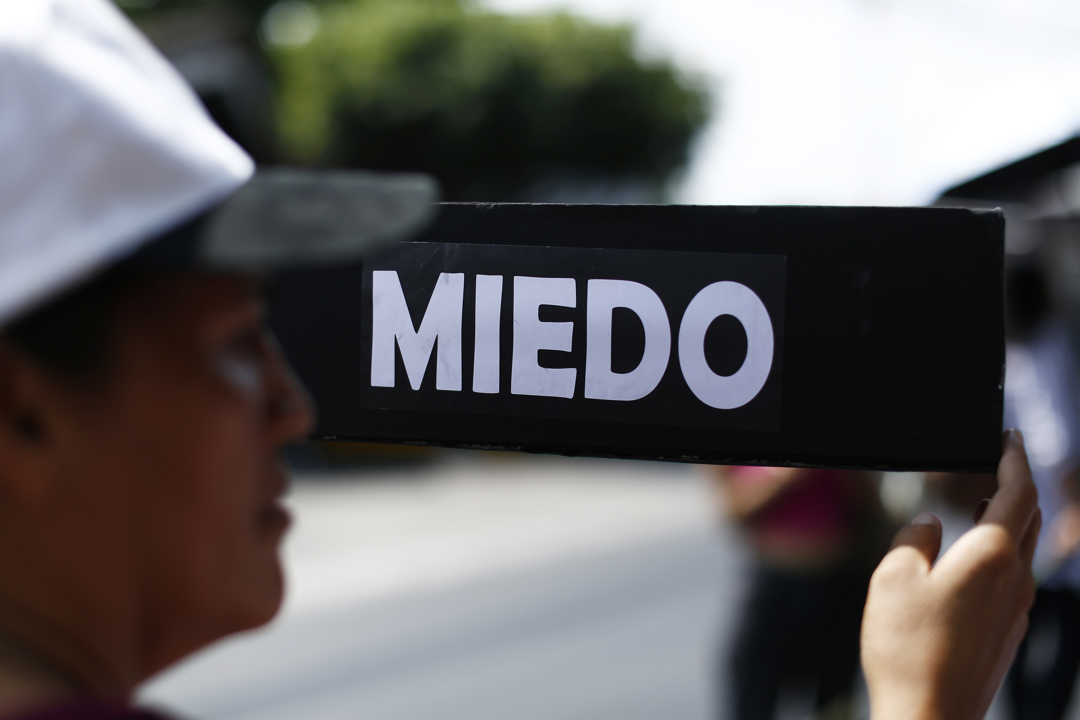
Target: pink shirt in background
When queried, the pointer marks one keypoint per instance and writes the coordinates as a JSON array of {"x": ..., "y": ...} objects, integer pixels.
[{"x": 815, "y": 509}]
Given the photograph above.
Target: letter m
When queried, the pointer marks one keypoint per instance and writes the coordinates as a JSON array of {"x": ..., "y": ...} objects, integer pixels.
[{"x": 392, "y": 325}]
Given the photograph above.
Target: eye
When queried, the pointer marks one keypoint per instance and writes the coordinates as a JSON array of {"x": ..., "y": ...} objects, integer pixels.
[{"x": 240, "y": 362}]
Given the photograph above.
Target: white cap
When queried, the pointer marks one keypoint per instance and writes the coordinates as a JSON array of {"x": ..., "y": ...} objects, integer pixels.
[{"x": 103, "y": 146}]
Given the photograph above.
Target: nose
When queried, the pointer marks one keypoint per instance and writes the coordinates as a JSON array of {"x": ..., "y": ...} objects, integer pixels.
[{"x": 290, "y": 410}]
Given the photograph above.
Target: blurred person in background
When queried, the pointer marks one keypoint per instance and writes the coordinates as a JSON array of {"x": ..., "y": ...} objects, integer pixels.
[
  {"x": 1041, "y": 398},
  {"x": 144, "y": 405},
  {"x": 815, "y": 537}
]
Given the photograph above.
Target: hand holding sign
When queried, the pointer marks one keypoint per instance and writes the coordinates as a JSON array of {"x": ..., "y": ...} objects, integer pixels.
[{"x": 937, "y": 639}]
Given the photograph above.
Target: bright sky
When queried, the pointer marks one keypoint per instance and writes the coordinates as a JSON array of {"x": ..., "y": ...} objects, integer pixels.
[{"x": 860, "y": 101}]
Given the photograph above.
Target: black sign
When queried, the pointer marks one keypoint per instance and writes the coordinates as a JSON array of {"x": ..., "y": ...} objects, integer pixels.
[{"x": 822, "y": 336}]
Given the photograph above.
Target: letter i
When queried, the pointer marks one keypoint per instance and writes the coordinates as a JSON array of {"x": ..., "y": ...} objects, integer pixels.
[{"x": 488, "y": 317}]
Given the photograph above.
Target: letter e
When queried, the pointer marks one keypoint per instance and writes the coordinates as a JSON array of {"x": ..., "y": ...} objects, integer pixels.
[{"x": 531, "y": 336}]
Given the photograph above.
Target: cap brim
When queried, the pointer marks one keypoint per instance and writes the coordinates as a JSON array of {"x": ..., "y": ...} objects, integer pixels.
[{"x": 284, "y": 218}]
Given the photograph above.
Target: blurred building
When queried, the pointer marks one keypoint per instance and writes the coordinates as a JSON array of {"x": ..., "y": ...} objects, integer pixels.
[{"x": 1040, "y": 195}]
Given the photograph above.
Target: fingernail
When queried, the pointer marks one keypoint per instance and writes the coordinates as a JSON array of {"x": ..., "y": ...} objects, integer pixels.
[
  {"x": 980, "y": 508},
  {"x": 1015, "y": 436},
  {"x": 926, "y": 518}
]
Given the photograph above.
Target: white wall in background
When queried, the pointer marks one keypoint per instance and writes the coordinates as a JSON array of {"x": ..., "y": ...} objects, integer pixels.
[{"x": 860, "y": 101}]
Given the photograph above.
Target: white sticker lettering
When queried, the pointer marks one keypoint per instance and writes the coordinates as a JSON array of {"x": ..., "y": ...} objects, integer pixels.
[
  {"x": 531, "y": 336},
  {"x": 600, "y": 382},
  {"x": 719, "y": 391},
  {"x": 486, "y": 341},
  {"x": 391, "y": 324}
]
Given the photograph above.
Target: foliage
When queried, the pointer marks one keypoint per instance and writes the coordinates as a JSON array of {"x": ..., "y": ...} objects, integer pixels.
[
  {"x": 492, "y": 105},
  {"x": 489, "y": 104}
]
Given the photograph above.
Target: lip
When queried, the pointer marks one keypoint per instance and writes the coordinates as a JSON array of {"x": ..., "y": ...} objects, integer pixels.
[{"x": 274, "y": 518}]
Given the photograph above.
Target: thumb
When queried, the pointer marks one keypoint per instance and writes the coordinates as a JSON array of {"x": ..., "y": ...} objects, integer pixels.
[{"x": 923, "y": 535}]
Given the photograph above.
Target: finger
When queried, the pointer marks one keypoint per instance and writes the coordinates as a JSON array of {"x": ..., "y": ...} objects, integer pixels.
[
  {"x": 1014, "y": 504},
  {"x": 1031, "y": 537},
  {"x": 980, "y": 509},
  {"x": 923, "y": 534}
]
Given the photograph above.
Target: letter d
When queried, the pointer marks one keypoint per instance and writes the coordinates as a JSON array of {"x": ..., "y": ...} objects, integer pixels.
[{"x": 600, "y": 382}]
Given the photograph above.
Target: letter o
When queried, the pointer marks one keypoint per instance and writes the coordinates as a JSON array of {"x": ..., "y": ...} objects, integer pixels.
[{"x": 732, "y": 391}]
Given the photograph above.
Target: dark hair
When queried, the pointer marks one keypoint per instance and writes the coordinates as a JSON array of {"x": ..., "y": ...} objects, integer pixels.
[{"x": 72, "y": 334}]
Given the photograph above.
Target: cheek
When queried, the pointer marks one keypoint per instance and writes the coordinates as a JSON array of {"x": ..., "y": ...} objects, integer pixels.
[{"x": 209, "y": 487}]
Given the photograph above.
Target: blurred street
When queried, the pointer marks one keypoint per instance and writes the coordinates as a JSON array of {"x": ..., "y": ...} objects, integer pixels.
[
  {"x": 494, "y": 586},
  {"x": 486, "y": 586}
]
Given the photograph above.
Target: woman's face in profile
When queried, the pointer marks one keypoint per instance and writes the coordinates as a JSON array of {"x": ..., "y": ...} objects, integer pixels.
[{"x": 176, "y": 460}]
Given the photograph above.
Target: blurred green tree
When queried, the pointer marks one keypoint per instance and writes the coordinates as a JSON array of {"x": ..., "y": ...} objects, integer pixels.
[{"x": 495, "y": 106}]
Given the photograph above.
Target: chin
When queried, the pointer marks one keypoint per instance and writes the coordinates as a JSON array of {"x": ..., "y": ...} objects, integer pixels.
[
  {"x": 249, "y": 611},
  {"x": 250, "y": 604},
  {"x": 252, "y": 599},
  {"x": 274, "y": 600},
  {"x": 263, "y": 602}
]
